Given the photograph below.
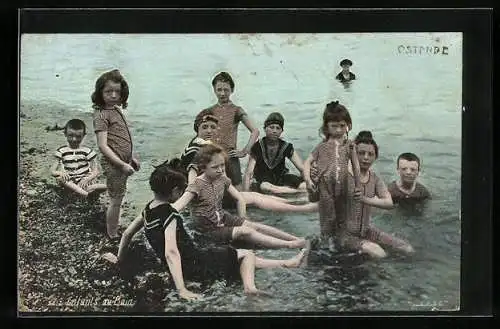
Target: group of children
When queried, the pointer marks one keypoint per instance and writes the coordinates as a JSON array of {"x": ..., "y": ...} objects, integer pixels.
[{"x": 335, "y": 179}]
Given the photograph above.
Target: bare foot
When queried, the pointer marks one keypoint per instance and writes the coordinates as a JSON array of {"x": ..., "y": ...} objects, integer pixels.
[
  {"x": 297, "y": 243},
  {"x": 299, "y": 260},
  {"x": 256, "y": 292}
]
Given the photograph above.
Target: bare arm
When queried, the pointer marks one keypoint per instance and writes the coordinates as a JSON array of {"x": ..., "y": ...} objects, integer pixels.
[
  {"x": 173, "y": 256},
  {"x": 94, "y": 169},
  {"x": 382, "y": 199},
  {"x": 192, "y": 174},
  {"x": 102, "y": 142},
  {"x": 247, "y": 178},
  {"x": 254, "y": 134},
  {"x": 241, "y": 207},
  {"x": 297, "y": 162},
  {"x": 54, "y": 168},
  {"x": 307, "y": 169},
  {"x": 129, "y": 233},
  {"x": 183, "y": 201}
]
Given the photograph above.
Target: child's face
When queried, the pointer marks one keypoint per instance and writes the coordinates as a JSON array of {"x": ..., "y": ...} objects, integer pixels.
[
  {"x": 206, "y": 130},
  {"x": 74, "y": 137},
  {"x": 337, "y": 129},
  {"x": 366, "y": 155},
  {"x": 273, "y": 131},
  {"x": 345, "y": 67},
  {"x": 216, "y": 167},
  {"x": 408, "y": 170},
  {"x": 222, "y": 91},
  {"x": 111, "y": 93}
]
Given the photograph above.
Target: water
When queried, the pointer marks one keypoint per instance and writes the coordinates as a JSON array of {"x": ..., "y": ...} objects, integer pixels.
[{"x": 411, "y": 102}]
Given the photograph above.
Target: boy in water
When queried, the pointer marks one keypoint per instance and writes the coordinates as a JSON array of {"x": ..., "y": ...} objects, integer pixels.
[
  {"x": 345, "y": 75},
  {"x": 75, "y": 166},
  {"x": 267, "y": 161},
  {"x": 407, "y": 190},
  {"x": 229, "y": 116}
]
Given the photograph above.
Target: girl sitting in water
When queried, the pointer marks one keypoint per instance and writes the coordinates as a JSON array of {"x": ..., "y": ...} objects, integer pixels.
[
  {"x": 166, "y": 234},
  {"x": 205, "y": 126},
  {"x": 206, "y": 193},
  {"x": 357, "y": 233}
]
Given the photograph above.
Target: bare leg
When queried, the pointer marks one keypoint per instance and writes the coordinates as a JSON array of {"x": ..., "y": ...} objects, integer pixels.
[
  {"x": 271, "y": 231},
  {"x": 268, "y": 187},
  {"x": 372, "y": 249},
  {"x": 97, "y": 188},
  {"x": 113, "y": 216},
  {"x": 75, "y": 188},
  {"x": 277, "y": 204},
  {"x": 247, "y": 271},
  {"x": 296, "y": 261},
  {"x": 251, "y": 235}
]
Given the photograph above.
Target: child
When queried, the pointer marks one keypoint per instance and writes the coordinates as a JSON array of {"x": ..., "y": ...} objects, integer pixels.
[
  {"x": 357, "y": 232},
  {"x": 331, "y": 158},
  {"x": 75, "y": 167},
  {"x": 205, "y": 125},
  {"x": 207, "y": 191},
  {"x": 267, "y": 161},
  {"x": 166, "y": 234},
  {"x": 229, "y": 116},
  {"x": 407, "y": 190},
  {"x": 345, "y": 75},
  {"x": 115, "y": 142}
]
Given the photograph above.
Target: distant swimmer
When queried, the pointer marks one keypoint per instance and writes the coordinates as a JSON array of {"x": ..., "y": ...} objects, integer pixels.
[
  {"x": 345, "y": 75},
  {"x": 407, "y": 190}
]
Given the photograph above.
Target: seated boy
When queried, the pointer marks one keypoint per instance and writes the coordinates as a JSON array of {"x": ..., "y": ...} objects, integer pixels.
[
  {"x": 267, "y": 161},
  {"x": 407, "y": 190},
  {"x": 75, "y": 166}
]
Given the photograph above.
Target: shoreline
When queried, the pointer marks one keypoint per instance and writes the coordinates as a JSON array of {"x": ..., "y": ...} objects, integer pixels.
[{"x": 61, "y": 238}]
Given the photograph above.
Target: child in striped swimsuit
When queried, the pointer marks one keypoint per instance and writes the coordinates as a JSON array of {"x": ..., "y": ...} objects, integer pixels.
[
  {"x": 207, "y": 191},
  {"x": 331, "y": 159},
  {"x": 357, "y": 233},
  {"x": 75, "y": 166}
]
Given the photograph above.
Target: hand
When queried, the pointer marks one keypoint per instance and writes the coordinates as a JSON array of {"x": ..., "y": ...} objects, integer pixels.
[
  {"x": 63, "y": 177},
  {"x": 84, "y": 183},
  {"x": 110, "y": 258},
  {"x": 358, "y": 195},
  {"x": 128, "y": 169},
  {"x": 135, "y": 164},
  {"x": 237, "y": 154},
  {"x": 189, "y": 295},
  {"x": 310, "y": 185}
]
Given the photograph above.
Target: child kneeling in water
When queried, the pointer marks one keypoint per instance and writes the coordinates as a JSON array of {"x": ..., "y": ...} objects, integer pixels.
[{"x": 165, "y": 232}]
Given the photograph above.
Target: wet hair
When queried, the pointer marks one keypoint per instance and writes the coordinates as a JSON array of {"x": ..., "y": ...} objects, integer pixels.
[
  {"x": 335, "y": 112},
  {"x": 408, "y": 156},
  {"x": 274, "y": 118},
  {"x": 223, "y": 77},
  {"x": 166, "y": 177},
  {"x": 75, "y": 124},
  {"x": 366, "y": 137},
  {"x": 114, "y": 76},
  {"x": 203, "y": 116},
  {"x": 346, "y": 62},
  {"x": 205, "y": 154}
]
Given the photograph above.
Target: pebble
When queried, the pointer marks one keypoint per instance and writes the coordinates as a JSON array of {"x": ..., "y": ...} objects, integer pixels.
[{"x": 31, "y": 192}]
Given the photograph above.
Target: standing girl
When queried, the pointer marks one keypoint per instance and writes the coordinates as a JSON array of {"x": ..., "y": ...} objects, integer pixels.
[
  {"x": 331, "y": 158},
  {"x": 115, "y": 142}
]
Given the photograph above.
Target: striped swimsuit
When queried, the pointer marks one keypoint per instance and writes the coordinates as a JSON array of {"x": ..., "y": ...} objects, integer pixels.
[{"x": 76, "y": 162}]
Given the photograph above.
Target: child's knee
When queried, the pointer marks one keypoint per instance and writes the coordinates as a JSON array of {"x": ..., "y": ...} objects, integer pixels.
[
  {"x": 373, "y": 249},
  {"x": 243, "y": 253},
  {"x": 116, "y": 201},
  {"x": 242, "y": 231}
]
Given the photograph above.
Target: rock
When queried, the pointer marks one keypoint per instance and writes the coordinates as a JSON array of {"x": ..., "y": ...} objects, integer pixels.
[{"x": 31, "y": 192}]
